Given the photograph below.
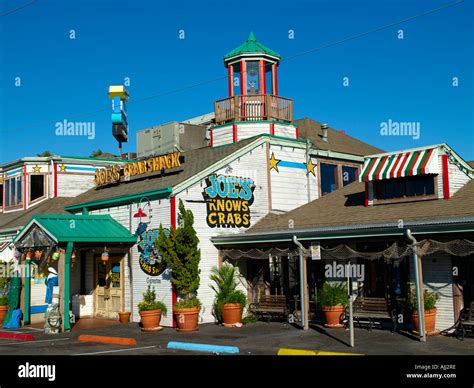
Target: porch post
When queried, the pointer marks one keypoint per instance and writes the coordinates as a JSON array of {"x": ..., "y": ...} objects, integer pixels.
[
  {"x": 417, "y": 265},
  {"x": 27, "y": 299},
  {"x": 67, "y": 285}
]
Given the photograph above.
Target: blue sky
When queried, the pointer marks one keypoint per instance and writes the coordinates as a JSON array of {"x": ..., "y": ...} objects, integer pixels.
[{"x": 403, "y": 80}]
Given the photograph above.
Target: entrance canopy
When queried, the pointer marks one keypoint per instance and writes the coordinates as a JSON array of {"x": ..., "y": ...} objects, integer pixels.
[{"x": 65, "y": 228}]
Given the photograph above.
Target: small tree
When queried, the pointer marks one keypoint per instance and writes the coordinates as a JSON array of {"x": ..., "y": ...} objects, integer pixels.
[
  {"x": 181, "y": 253},
  {"x": 96, "y": 153},
  {"x": 45, "y": 154}
]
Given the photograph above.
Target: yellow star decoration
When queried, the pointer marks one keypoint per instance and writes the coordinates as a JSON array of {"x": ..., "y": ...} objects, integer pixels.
[
  {"x": 310, "y": 168},
  {"x": 62, "y": 167},
  {"x": 36, "y": 168},
  {"x": 274, "y": 163}
]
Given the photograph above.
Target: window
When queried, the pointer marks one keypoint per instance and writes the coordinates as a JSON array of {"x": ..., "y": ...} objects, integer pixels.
[
  {"x": 236, "y": 80},
  {"x": 13, "y": 191},
  {"x": 414, "y": 186},
  {"x": 328, "y": 178},
  {"x": 269, "y": 78},
  {"x": 349, "y": 175},
  {"x": 1, "y": 195},
  {"x": 253, "y": 78},
  {"x": 36, "y": 187}
]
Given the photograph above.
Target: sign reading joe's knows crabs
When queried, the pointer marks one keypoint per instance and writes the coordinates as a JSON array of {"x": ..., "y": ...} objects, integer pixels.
[{"x": 228, "y": 200}]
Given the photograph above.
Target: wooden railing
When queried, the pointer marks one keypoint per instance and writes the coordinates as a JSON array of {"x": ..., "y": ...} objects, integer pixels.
[{"x": 253, "y": 107}]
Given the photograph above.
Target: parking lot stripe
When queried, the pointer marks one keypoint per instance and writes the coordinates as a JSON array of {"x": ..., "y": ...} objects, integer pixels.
[
  {"x": 203, "y": 347},
  {"x": 107, "y": 339},
  {"x": 33, "y": 342},
  {"x": 114, "y": 351},
  {"x": 16, "y": 336}
]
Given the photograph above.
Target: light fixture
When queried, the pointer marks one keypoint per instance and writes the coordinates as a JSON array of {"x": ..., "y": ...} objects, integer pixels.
[
  {"x": 143, "y": 217},
  {"x": 105, "y": 256},
  {"x": 139, "y": 213}
]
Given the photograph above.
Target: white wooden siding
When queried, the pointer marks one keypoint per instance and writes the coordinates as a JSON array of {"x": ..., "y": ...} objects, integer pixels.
[
  {"x": 7, "y": 253},
  {"x": 38, "y": 294},
  {"x": 71, "y": 185},
  {"x": 222, "y": 135},
  {"x": 457, "y": 178},
  {"x": 440, "y": 177},
  {"x": 437, "y": 277},
  {"x": 285, "y": 131},
  {"x": 246, "y": 130},
  {"x": 290, "y": 185},
  {"x": 160, "y": 214},
  {"x": 251, "y": 165}
]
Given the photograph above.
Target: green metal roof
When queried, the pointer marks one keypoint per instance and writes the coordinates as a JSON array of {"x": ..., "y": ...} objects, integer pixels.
[
  {"x": 249, "y": 47},
  {"x": 80, "y": 228}
]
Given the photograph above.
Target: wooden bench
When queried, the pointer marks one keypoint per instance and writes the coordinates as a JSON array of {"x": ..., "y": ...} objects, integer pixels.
[
  {"x": 466, "y": 322},
  {"x": 270, "y": 306},
  {"x": 373, "y": 310}
]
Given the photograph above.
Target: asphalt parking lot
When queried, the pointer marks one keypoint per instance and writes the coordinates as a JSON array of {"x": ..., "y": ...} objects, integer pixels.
[{"x": 258, "y": 338}]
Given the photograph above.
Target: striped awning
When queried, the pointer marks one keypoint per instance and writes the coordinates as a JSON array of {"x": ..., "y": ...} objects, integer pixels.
[{"x": 400, "y": 165}]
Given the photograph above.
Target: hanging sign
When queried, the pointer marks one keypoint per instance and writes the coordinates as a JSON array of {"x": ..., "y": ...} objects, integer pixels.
[
  {"x": 150, "y": 260},
  {"x": 228, "y": 200},
  {"x": 114, "y": 174},
  {"x": 315, "y": 251}
]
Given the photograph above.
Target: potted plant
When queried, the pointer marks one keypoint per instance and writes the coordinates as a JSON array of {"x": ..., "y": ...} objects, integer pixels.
[
  {"x": 124, "y": 316},
  {"x": 180, "y": 252},
  {"x": 150, "y": 310},
  {"x": 3, "y": 307},
  {"x": 333, "y": 299},
  {"x": 4, "y": 281},
  {"x": 229, "y": 302},
  {"x": 429, "y": 299}
]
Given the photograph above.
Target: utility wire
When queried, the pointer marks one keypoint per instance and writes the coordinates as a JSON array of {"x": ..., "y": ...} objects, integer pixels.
[
  {"x": 192, "y": 86},
  {"x": 20, "y": 7}
]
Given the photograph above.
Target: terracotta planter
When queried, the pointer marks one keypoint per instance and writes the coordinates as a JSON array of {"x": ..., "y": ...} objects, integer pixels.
[
  {"x": 430, "y": 321},
  {"x": 333, "y": 315},
  {"x": 232, "y": 314},
  {"x": 187, "y": 318},
  {"x": 3, "y": 312},
  {"x": 151, "y": 320},
  {"x": 124, "y": 316}
]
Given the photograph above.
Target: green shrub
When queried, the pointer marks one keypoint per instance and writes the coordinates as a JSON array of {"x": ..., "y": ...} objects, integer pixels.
[
  {"x": 429, "y": 299},
  {"x": 181, "y": 253},
  {"x": 225, "y": 287},
  {"x": 4, "y": 300},
  {"x": 249, "y": 319},
  {"x": 333, "y": 294},
  {"x": 187, "y": 304},
  {"x": 150, "y": 303}
]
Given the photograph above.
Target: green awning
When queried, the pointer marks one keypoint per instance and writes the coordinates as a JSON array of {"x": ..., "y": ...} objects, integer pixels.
[{"x": 63, "y": 228}]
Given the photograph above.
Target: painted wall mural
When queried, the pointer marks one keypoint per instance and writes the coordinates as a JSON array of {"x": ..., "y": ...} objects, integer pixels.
[
  {"x": 150, "y": 259},
  {"x": 228, "y": 200}
]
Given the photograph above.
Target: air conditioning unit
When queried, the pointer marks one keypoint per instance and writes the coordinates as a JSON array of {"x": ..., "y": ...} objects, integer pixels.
[{"x": 170, "y": 137}]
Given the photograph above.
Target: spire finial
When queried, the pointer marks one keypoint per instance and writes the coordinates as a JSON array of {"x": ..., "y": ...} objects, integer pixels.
[{"x": 251, "y": 37}]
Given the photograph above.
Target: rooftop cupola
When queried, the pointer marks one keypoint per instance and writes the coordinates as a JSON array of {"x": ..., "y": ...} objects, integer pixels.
[
  {"x": 253, "y": 105},
  {"x": 252, "y": 69}
]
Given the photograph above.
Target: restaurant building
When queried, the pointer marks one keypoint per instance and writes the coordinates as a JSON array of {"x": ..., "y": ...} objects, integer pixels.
[
  {"x": 238, "y": 168},
  {"x": 426, "y": 192}
]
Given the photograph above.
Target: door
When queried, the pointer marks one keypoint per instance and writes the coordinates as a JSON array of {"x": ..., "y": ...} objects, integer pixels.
[{"x": 108, "y": 289}]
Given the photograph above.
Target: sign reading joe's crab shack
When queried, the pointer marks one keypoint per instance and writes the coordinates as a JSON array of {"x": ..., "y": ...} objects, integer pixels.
[{"x": 115, "y": 174}]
